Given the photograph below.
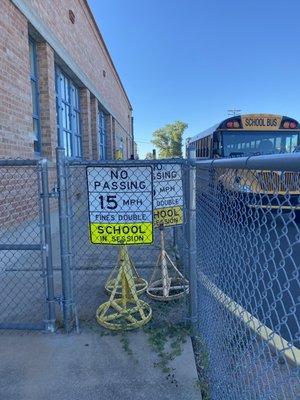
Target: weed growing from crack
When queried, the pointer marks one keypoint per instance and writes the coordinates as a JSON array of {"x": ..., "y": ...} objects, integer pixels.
[{"x": 166, "y": 337}]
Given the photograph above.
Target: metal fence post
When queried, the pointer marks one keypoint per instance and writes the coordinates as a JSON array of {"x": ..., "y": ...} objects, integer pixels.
[
  {"x": 191, "y": 238},
  {"x": 67, "y": 298},
  {"x": 48, "y": 246}
]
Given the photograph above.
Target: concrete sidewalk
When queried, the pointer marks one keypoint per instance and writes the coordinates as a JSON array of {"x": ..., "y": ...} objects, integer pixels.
[{"x": 88, "y": 366}]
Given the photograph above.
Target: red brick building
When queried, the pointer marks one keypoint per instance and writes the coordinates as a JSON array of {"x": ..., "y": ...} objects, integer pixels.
[{"x": 58, "y": 84}]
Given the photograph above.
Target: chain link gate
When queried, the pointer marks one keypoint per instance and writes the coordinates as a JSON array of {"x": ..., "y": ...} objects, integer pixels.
[
  {"x": 86, "y": 267},
  {"x": 26, "y": 276}
]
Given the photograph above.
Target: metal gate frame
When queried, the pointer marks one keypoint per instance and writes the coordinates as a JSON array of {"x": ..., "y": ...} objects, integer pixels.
[
  {"x": 68, "y": 302},
  {"x": 44, "y": 246}
]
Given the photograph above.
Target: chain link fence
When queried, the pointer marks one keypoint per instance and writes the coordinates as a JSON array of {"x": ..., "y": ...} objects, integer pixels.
[
  {"x": 227, "y": 259},
  {"x": 248, "y": 256}
]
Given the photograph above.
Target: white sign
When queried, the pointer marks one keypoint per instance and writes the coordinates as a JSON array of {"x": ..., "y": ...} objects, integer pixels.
[
  {"x": 168, "y": 195},
  {"x": 120, "y": 205}
]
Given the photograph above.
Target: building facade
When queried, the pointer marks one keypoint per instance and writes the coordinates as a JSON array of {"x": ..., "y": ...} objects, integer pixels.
[{"x": 58, "y": 84}]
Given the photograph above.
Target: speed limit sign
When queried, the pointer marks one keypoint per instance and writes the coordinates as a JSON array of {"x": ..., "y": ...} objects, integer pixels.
[{"x": 120, "y": 204}]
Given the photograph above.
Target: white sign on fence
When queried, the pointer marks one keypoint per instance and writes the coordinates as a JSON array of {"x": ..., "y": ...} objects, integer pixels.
[
  {"x": 120, "y": 205},
  {"x": 168, "y": 195}
]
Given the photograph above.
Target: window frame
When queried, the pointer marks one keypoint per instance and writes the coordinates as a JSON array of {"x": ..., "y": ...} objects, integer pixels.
[
  {"x": 34, "y": 79},
  {"x": 69, "y": 134},
  {"x": 102, "y": 133}
]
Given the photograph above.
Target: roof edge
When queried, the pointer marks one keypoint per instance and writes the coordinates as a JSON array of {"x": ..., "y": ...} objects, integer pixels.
[{"x": 106, "y": 49}]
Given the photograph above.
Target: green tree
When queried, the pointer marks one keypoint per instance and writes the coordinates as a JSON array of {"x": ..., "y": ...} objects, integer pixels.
[{"x": 168, "y": 139}]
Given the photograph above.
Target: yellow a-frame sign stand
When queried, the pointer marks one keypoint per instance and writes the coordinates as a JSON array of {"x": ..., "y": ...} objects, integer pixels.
[
  {"x": 167, "y": 282},
  {"x": 128, "y": 311},
  {"x": 140, "y": 283}
]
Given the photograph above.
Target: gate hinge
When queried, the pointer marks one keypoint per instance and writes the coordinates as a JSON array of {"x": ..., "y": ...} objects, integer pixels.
[{"x": 54, "y": 193}]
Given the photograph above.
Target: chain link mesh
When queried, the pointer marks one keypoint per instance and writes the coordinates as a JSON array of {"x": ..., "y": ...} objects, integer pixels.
[
  {"x": 92, "y": 265},
  {"x": 22, "y": 275},
  {"x": 248, "y": 255}
]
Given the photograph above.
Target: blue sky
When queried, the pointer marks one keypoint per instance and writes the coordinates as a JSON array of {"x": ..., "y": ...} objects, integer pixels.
[{"x": 192, "y": 60}]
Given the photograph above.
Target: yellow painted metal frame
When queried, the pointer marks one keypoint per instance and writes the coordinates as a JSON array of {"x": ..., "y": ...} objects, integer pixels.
[
  {"x": 128, "y": 311},
  {"x": 140, "y": 283},
  {"x": 166, "y": 287}
]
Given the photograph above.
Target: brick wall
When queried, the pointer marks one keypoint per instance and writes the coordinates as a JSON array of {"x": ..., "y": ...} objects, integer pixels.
[
  {"x": 45, "y": 57},
  {"x": 95, "y": 128},
  {"x": 16, "y": 139},
  {"x": 19, "y": 197},
  {"x": 110, "y": 143},
  {"x": 82, "y": 42},
  {"x": 86, "y": 123}
]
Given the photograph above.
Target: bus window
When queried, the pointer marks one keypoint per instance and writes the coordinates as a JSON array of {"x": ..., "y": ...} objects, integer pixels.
[
  {"x": 204, "y": 147},
  {"x": 259, "y": 142},
  {"x": 209, "y": 147},
  {"x": 278, "y": 144},
  {"x": 294, "y": 143}
]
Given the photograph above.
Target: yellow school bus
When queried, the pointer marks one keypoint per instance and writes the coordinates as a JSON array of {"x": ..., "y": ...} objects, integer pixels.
[{"x": 250, "y": 135}]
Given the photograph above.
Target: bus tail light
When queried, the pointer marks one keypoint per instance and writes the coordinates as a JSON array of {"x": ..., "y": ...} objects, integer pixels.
[
  {"x": 232, "y": 124},
  {"x": 286, "y": 124},
  {"x": 289, "y": 125}
]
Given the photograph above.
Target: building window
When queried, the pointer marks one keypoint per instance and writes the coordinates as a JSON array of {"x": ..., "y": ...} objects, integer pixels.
[
  {"x": 36, "y": 128},
  {"x": 68, "y": 115},
  {"x": 102, "y": 135}
]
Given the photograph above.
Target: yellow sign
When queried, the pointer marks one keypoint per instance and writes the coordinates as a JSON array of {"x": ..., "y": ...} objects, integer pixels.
[
  {"x": 263, "y": 122},
  {"x": 168, "y": 195},
  {"x": 168, "y": 216},
  {"x": 138, "y": 233},
  {"x": 120, "y": 205}
]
